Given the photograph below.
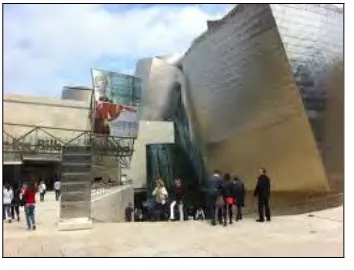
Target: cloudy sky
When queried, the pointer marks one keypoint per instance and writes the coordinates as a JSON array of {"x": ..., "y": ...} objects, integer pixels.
[{"x": 49, "y": 46}]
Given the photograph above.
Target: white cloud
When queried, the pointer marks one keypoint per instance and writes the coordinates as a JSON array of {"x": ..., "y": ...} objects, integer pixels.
[{"x": 48, "y": 46}]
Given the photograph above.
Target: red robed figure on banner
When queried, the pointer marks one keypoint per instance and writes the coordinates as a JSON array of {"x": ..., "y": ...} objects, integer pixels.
[{"x": 106, "y": 112}]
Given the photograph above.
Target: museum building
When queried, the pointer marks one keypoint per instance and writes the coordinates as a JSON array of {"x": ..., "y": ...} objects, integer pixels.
[{"x": 261, "y": 87}]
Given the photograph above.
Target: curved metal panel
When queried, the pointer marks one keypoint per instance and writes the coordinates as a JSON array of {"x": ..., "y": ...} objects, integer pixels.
[
  {"x": 313, "y": 40},
  {"x": 247, "y": 103}
]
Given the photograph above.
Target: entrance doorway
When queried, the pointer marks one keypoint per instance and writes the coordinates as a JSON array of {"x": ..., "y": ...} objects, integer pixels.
[
  {"x": 46, "y": 171},
  {"x": 12, "y": 175}
]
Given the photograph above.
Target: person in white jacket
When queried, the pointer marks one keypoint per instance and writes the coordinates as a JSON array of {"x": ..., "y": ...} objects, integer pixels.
[
  {"x": 7, "y": 197},
  {"x": 42, "y": 190}
]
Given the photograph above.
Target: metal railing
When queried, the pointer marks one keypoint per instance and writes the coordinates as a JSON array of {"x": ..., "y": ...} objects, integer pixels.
[
  {"x": 100, "y": 189},
  {"x": 44, "y": 140}
]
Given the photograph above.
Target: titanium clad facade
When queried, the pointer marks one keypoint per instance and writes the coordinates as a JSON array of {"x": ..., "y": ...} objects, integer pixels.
[
  {"x": 249, "y": 106},
  {"x": 262, "y": 87},
  {"x": 158, "y": 78},
  {"x": 165, "y": 99},
  {"x": 313, "y": 40}
]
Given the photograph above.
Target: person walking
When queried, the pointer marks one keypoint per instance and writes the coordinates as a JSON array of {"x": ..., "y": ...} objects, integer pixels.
[
  {"x": 213, "y": 196},
  {"x": 262, "y": 191},
  {"x": 15, "y": 205},
  {"x": 128, "y": 213},
  {"x": 227, "y": 193},
  {"x": 178, "y": 195},
  {"x": 161, "y": 196},
  {"x": 57, "y": 186},
  {"x": 29, "y": 197},
  {"x": 240, "y": 193},
  {"x": 7, "y": 197},
  {"x": 42, "y": 190}
]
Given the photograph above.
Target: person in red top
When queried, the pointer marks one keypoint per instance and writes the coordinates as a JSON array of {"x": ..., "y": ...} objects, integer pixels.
[
  {"x": 29, "y": 196},
  {"x": 106, "y": 112}
]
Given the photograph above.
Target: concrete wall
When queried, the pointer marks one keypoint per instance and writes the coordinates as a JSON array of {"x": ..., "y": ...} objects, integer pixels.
[
  {"x": 110, "y": 206},
  {"x": 150, "y": 132}
]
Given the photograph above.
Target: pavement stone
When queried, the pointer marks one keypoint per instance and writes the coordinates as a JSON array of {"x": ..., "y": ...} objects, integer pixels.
[{"x": 319, "y": 234}]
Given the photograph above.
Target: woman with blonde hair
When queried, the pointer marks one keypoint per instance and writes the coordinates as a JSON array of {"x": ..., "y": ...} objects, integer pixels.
[{"x": 161, "y": 196}]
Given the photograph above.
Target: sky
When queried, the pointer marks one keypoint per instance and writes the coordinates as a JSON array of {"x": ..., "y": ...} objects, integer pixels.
[{"x": 47, "y": 47}]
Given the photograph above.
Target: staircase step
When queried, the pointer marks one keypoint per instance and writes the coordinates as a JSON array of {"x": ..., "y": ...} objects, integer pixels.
[{"x": 76, "y": 167}]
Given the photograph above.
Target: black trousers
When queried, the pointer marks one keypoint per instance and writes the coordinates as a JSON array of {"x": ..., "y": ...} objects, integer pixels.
[
  {"x": 161, "y": 211},
  {"x": 211, "y": 201},
  {"x": 263, "y": 208},
  {"x": 15, "y": 208},
  {"x": 218, "y": 213},
  {"x": 214, "y": 211},
  {"x": 227, "y": 211},
  {"x": 57, "y": 194},
  {"x": 238, "y": 212}
]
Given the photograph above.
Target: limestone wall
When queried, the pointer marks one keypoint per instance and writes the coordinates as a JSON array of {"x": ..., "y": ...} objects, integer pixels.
[{"x": 27, "y": 112}]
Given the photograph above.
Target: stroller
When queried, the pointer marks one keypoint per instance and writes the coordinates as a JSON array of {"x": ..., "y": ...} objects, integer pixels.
[{"x": 148, "y": 210}]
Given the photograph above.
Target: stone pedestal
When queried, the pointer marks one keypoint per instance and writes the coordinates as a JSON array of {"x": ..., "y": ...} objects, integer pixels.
[{"x": 75, "y": 203}]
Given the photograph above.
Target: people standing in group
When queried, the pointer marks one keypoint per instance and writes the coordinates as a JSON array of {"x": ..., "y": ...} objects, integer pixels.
[
  {"x": 8, "y": 195},
  {"x": 15, "y": 205},
  {"x": 240, "y": 193},
  {"x": 213, "y": 196},
  {"x": 42, "y": 190},
  {"x": 161, "y": 196},
  {"x": 57, "y": 187},
  {"x": 29, "y": 197},
  {"x": 178, "y": 196},
  {"x": 227, "y": 193},
  {"x": 262, "y": 191}
]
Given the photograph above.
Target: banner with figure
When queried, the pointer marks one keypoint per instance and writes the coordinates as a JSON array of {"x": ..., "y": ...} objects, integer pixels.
[{"x": 117, "y": 98}]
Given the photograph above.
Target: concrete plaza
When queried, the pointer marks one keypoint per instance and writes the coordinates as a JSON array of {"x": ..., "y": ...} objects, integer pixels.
[{"x": 319, "y": 234}]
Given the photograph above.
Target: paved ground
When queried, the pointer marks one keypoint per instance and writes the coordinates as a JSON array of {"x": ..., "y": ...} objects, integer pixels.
[{"x": 300, "y": 235}]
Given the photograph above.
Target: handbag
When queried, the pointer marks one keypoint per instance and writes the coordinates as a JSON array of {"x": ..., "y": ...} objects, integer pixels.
[
  {"x": 229, "y": 200},
  {"x": 23, "y": 200}
]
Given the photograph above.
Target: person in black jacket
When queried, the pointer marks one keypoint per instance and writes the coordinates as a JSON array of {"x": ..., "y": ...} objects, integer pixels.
[
  {"x": 239, "y": 196},
  {"x": 227, "y": 193},
  {"x": 262, "y": 191},
  {"x": 15, "y": 204},
  {"x": 128, "y": 213},
  {"x": 214, "y": 185}
]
